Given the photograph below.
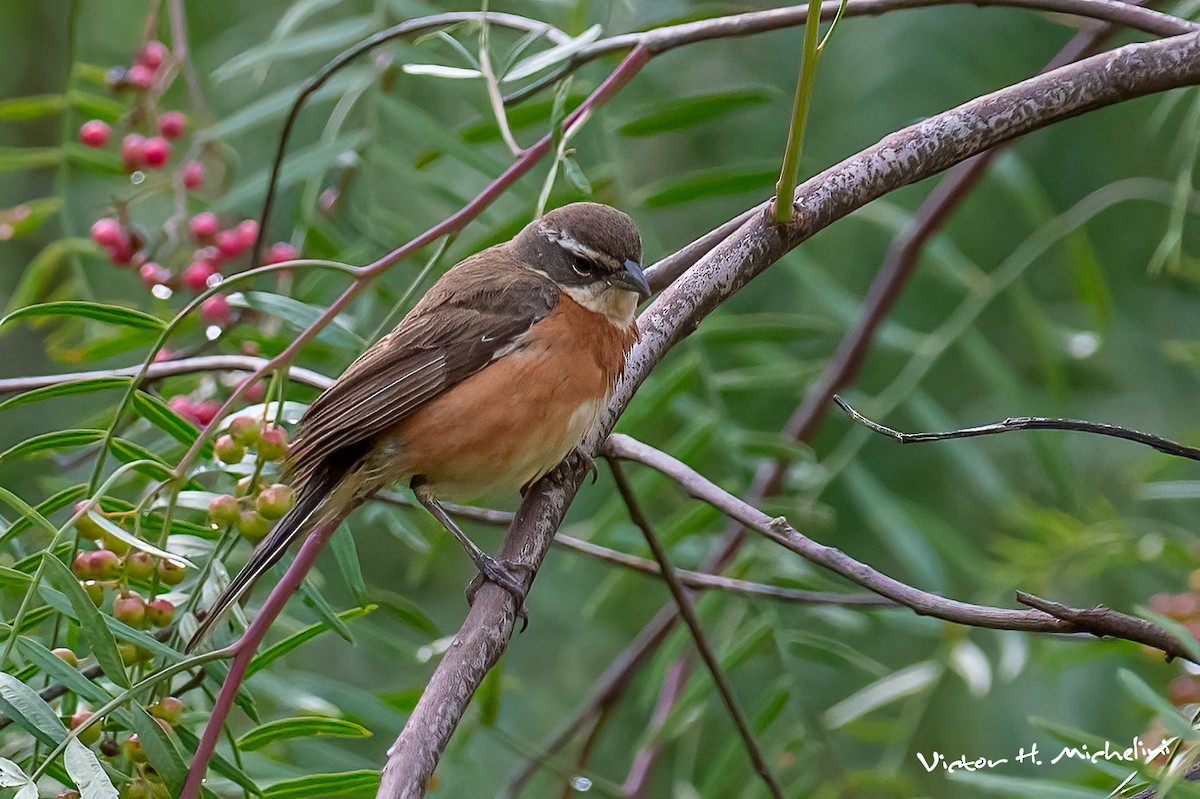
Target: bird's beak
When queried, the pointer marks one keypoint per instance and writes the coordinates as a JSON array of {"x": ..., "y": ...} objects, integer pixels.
[{"x": 631, "y": 278}]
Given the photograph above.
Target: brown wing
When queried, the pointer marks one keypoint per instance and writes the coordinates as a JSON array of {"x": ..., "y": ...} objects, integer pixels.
[{"x": 473, "y": 314}]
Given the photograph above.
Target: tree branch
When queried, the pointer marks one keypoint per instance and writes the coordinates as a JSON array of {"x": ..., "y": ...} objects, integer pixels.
[
  {"x": 1047, "y": 617},
  {"x": 684, "y": 603}
]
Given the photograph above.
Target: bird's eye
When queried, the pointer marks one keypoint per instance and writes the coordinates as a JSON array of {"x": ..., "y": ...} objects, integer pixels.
[{"x": 582, "y": 266}]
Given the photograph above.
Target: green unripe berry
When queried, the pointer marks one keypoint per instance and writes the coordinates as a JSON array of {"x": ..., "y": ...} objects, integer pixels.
[
  {"x": 169, "y": 709},
  {"x": 66, "y": 655},
  {"x": 139, "y": 565},
  {"x": 95, "y": 592},
  {"x": 160, "y": 612},
  {"x": 274, "y": 501},
  {"x": 85, "y": 525},
  {"x": 91, "y": 734},
  {"x": 253, "y": 525},
  {"x": 223, "y": 510},
  {"x": 170, "y": 572},
  {"x": 130, "y": 609},
  {"x": 229, "y": 451},
  {"x": 272, "y": 443},
  {"x": 245, "y": 430}
]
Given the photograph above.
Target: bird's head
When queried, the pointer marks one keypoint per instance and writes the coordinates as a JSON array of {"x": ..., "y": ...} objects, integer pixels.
[{"x": 593, "y": 252}]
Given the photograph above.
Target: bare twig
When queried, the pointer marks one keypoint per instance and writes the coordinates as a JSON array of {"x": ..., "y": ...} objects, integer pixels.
[
  {"x": 1014, "y": 423},
  {"x": 1048, "y": 617},
  {"x": 660, "y": 40},
  {"x": 692, "y": 579},
  {"x": 161, "y": 369},
  {"x": 901, "y": 158},
  {"x": 683, "y": 602}
]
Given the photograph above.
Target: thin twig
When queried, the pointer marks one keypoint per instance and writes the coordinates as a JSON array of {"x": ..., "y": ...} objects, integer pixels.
[
  {"x": 692, "y": 579},
  {"x": 683, "y": 603},
  {"x": 161, "y": 369},
  {"x": 1014, "y": 423},
  {"x": 1047, "y": 618}
]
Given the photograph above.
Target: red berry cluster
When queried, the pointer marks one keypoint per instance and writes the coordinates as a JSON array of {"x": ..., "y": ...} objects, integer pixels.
[
  {"x": 255, "y": 507},
  {"x": 146, "y": 147}
]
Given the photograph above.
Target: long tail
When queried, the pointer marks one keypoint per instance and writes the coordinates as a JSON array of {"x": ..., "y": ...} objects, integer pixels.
[{"x": 312, "y": 495}]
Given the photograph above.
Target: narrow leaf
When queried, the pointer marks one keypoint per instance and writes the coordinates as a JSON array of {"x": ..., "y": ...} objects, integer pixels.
[
  {"x": 87, "y": 773},
  {"x": 111, "y": 314},
  {"x": 346, "y": 554},
  {"x": 709, "y": 183},
  {"x": 296, "y": 640},
  {"x": 300, "y": 727},
  {"x": 324, "y": 785},
  {"x": 72, "y": 388},
  {"x": 22, "y": 109},
  {"x": 59, "y": 439},
  {"x": 162, "y": 416},
  {"x": 12, "y": 158},
  {"x": 684, "y": 112},
  {"x": 300, "y": 315},
  {"x": 120, "y": 533},
  {"x": 30, "y": 711}
]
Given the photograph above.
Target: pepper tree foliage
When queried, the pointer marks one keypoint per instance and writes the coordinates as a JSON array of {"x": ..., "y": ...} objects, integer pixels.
[{"x": 134, "y": 191}]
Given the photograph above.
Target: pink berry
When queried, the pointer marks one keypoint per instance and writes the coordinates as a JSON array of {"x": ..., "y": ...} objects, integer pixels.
[
  {"x": 206, "y": 411},
  {"x": 196, "y": 276},
  {"x": 280, "y": 252},
  {"x": 204, "y": 226},
  {"x": 247, "y": 231},
  {"x": 108, "y": 232},
  {"x": 140, "y": 76},
  {"x": 151, "y": 54},
  {"x": 121, "y": 253},
  {"x": 94, "y": 133},
  {"x": 182, "y": 404},
  {"x": 106, "y": 565},
  {"x": 154, "y": 274},
  {"x": 272, "y": 443},
  {"x": 160, "y": 612},
  {"x": 165, "y": 354},
  {"x": 172, "y": 124},
  {"x": 156, "y": 151},
  {"x": 193, "y": 175},
  {"x": 216, "y": 311},
  {"x": 230, "y": 243},
  {"x": 131, "y": 152}
]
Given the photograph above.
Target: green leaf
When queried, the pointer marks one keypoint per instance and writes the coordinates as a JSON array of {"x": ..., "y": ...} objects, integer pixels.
[
  {"x": 684, "y": 112},
  {"x": 316, "y": 600},
  {"x": 25, "y": 218},
  {"x": 22, "y": 109},
  {"x": 103, "y": 162},
  {"x": 338, "y": 784},
  {"x": 323, "y": 39},
  {"x": 42, "y": 276},
  {"x": 23, "y": 705},
  {"x": 29, "y": 514},
  {"x": 219, "y": 764},
  {"x": 300, "y": 727},
  {"x": 91, "y": 621},
  {"x": 576, "y": 177},
  {"x": 12, "y": 158},
  {"x": 11, "y": 775},
  {"x": 85, "y": 386},
  {"x": 13, "y": 577},
  {"x": 58, "y": 670},
  {"x": 298, "y": 639},
  {"x": 111, "y": 314},
  {"x": 346, "y": 554},
  {"x": 707, "y": 183},
  {"x": 95, "y": 106},
  {"x": 907, "y": 681},
  {"x": 127, "y": 452},
  {"x": 121, "y": 534},
  {"x": 56, "y": 440},
  {"x": 160, "y": 749},
  {"x": 300, "y": 315},
  {"x": 87, "y": 773},
  {"x": 1176, "y": 723}
]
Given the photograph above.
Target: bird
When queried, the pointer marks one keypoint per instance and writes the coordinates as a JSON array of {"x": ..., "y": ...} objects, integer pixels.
[{"x": 485, "y": 386}]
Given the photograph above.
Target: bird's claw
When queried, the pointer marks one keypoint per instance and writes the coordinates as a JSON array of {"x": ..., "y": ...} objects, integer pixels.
[
  {"x": 578, "y": 458},
  {"x": 500, "y": 572}
]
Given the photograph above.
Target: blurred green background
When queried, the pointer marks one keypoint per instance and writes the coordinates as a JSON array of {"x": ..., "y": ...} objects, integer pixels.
[{"x": 1099, "y": 323}]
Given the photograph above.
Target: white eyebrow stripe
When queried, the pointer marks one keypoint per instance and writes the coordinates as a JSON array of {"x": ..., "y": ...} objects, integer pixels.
[{"x": 573, "y": 245}]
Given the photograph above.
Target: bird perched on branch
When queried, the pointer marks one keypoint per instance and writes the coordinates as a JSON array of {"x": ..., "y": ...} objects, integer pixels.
[{"x": 488, "y": 383}]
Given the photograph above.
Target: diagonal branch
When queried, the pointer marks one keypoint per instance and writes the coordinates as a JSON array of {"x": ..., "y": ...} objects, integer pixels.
[
  {"x": 906, "y": 156},
  {"x": 684, "y": 603},
  {"x": 1046, "y": 617}
]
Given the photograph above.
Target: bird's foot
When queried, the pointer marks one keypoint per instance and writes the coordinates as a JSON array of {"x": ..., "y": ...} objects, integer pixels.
[
  {"x": 501, "y": 572},
  {"x": 580, "y": 459}
]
